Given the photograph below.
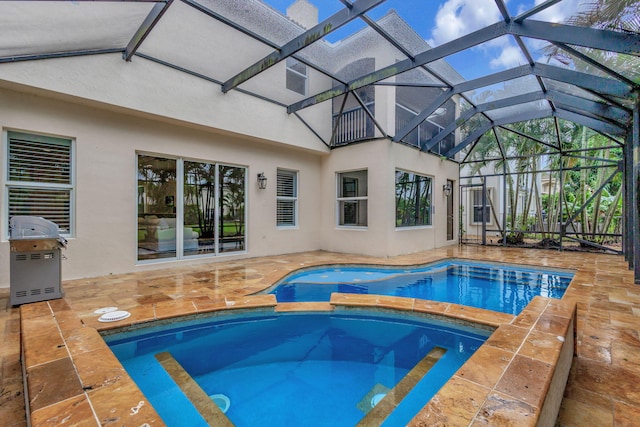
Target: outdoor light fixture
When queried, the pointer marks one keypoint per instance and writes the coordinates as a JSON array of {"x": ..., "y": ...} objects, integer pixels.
[
  {"x": 447, "y": 189},
  {"x": 262, "y": 181}
]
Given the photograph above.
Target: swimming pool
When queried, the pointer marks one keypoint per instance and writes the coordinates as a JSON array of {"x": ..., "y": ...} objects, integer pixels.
[
  {"x": 293, "y": 369},
  {"x": 491, "y": 286}
]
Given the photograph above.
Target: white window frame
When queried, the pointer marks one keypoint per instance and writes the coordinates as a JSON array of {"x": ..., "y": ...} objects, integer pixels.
[
  {"x": 294, "y": 198},
  {"x": 8, "y": 184},
  {"x": 290, "y": 63},
  {"x": 472, "y": 220},
  {"x": 350, "y": 200}
]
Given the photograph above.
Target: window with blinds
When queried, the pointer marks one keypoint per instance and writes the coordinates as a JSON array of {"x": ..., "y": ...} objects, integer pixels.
[
  {"x": 480, "y": 212},
  {"x": 287, "y": 198},
  {"x": 296, "y": 76},
  {"x": 39, "y": 180}
]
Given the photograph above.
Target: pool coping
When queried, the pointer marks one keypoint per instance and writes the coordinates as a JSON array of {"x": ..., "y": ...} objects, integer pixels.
[{"x": 517, "y": 376}]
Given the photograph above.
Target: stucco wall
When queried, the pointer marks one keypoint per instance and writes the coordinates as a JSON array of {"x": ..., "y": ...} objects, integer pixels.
[
  {"x": 144, "y": 87},
  {"x": 107, "y": 139},
  {"x": 409, "y": 239},
  {"x": 381, "y": 237},
  {"x": 105, "y": 169}
]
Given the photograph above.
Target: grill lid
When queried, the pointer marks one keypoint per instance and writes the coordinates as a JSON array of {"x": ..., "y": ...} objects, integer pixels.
[{"x": 32, "y": 227}]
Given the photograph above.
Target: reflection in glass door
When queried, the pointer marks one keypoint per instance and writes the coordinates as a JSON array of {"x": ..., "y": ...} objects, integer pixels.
[
  {"x": 199, "y": 208},
  {"x": 231, "y": 234},
  {"x": 156, "y": 207},
  {"x": 211, "y": 218}
]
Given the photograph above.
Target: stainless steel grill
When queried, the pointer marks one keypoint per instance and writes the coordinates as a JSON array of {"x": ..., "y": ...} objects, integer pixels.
[{"x": 35, "y": 261}]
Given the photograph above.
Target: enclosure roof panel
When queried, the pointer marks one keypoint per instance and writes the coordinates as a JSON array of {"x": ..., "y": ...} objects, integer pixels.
[{"x": 578, "y": 63}]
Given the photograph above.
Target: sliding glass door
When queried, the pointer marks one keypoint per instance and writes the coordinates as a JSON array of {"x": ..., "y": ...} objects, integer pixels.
[{"x": 211, "y": 218}]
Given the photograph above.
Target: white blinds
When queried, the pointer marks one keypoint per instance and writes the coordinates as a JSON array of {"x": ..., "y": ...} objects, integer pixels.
[
  {"x": 286, "y": 183},
  {"x": 286, "y": 213},
  {"x": 53, "y": 205},
  {"x": 39, "y": 178},
  {"x": 287, "y": 193},
  {"x": 39, "y": 159}
]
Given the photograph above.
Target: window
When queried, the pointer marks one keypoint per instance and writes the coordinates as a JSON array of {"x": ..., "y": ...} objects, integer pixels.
[
  {"x": 296, "y": 76},
  {"x": 39, "y": 178},
  {"x": 413, "y": 199},
  {"x": 476, "y": 195},
  {"x": 287, "y": 198},
  {"x": 209, "y": 220},
  {"x": 352, "y": 198}
]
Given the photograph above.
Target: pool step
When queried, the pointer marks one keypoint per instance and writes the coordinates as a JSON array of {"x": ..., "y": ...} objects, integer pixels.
[
  {"x": 392, "y": 399},
  {"x": 531, "y": 279},
  {"x": 212, "y": 414}
]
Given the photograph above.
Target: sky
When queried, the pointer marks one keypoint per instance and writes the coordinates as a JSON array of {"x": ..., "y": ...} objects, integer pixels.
[{"x": 440, "y": 21}]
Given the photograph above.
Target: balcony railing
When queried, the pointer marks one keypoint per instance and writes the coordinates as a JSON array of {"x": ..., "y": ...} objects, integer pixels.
[
  {"x": 356, "y": 125},
  {"x": 353, "y": 125}
]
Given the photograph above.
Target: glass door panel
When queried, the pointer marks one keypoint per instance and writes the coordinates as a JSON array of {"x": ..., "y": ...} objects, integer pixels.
[
  {"x": 231, "y": 219},
  {"x": 156, "y": 207},
  {"x": 199, "y": 208}
]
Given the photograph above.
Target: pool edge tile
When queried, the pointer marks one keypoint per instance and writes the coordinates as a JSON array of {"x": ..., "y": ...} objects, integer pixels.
[
  {"x": 283, "y": 307},
  {"x": 122, "y": 403},
  {"x": 75, "y": 410},
  {"x": 455, "y": 404},
  {"x": 503, "y": 410}
]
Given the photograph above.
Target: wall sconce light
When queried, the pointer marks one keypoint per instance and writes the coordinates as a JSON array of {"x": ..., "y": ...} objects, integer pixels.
[
  {"x": 446, "y": 189},
  {"x": 262, "y": 181}
]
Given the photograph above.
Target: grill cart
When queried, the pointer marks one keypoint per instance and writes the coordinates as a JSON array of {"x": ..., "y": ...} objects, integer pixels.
[{"x": 34, "y": 264}]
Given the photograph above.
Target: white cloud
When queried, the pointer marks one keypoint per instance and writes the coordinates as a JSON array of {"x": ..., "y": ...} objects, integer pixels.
[
  {"x": 510, "y": 56},
  {"x": 557, "y": 13},
  {"x": 456, "y": 18}
]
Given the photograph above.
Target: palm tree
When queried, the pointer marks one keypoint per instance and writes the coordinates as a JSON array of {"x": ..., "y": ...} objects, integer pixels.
[
  {"x": 616, "y": 15},
  {"x": 613, "y": 15}
]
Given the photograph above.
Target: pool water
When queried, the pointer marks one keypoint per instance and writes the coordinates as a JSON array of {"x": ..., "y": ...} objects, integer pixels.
[
  {"x": 295, "y": 369},
  {"x": 496, "y": 287}
]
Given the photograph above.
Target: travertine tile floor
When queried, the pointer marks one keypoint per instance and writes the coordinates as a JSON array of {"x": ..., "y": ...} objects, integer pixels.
[{"x": 603, "y": 387}]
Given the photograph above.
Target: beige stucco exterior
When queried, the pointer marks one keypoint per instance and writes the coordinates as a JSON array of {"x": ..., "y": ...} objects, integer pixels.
[
  {"x": 381, "y": 158},
  {"x": 114, "y": 109},
  {"x": 105, "y": 214}
]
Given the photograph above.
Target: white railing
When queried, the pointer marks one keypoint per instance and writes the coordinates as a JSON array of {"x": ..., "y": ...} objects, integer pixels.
[{"x": 353, "y": 125}]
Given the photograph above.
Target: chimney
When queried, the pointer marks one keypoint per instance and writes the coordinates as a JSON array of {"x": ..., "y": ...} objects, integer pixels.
[{"x": 303, "y": 13}]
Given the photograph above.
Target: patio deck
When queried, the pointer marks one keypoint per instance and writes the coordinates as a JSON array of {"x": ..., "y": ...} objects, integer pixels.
[{"x": 602, "y": 388}]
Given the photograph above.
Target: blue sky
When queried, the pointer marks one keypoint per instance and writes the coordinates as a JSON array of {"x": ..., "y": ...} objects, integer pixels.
[{"x": 439, "y": 21}]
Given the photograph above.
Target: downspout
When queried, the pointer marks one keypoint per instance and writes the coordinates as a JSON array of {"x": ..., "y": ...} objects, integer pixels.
[{"x": 634, "y": 192}]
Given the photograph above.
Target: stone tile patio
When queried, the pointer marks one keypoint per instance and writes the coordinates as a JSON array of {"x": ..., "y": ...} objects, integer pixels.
[{"x": 602, "y": 388}]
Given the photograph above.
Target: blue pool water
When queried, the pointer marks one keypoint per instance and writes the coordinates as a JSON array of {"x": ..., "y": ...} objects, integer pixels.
[
  {"x": 294, "y": 369},
  {"x": 496, "y": 287}
]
